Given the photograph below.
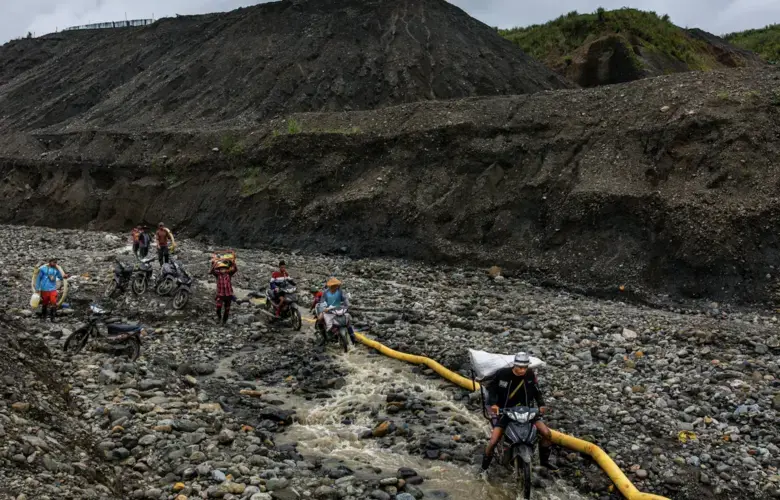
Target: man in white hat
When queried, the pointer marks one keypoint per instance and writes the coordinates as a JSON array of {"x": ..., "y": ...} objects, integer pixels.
[{"x": 515, "y": 386}]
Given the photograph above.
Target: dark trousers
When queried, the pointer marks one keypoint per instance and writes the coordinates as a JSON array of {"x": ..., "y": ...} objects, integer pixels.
[
  {"x": 162, "y": 255},
  {"x": 223, "y": 302}
]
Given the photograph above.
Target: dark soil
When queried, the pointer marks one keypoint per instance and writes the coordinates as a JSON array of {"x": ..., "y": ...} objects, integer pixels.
[
  {"x": 254, "y": 63},
  {"x": 665, "y": 185}
]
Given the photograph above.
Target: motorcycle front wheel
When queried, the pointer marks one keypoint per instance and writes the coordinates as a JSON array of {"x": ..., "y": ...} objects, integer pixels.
[
  {"x": 77, "y": 340},
  {"x": 523, "y": 475},
  {"x": 110, "y": 289},
  {"x": 181, "y": 298},
  {"x": 344, "y": 339},
  {"x": 165, "y": 287},
  {"x": 139, "y": 284},
  {"x": 296, "y": 319}
]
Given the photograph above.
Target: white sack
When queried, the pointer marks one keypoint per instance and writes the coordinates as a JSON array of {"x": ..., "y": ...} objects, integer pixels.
[{"x": 486, "y": 364}]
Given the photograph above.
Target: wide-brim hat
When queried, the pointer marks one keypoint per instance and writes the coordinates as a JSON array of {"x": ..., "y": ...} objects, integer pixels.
[{"x": 333, "y": 282}]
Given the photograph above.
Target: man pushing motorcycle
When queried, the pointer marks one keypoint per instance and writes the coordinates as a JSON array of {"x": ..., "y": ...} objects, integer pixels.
[{"x": 510, "y": 387}]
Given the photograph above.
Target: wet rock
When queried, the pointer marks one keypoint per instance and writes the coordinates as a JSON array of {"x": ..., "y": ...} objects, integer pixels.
[
  {"x": 382, "y": 429},
  {"x": 380, "y": 495},
  {"x": 277, "y": 484},
  {"x": 285, "y": 494},
  {"x": 148, "y": 384},
  {"x": 226, "y": 436}
]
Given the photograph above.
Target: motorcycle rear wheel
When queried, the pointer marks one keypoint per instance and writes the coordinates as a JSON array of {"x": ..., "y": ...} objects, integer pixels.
[
  {"x": 523, "y": 475},
  {"x": 139, "y": 284},
  {"x": 134, "y": 348},
  {"x": 181, "y": 298}
]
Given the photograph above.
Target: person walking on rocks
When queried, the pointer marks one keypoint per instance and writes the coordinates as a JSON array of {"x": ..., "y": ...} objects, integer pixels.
[
  {"x": 144, "y": 241},
  {"x": 511, "y": 387},
  {"x": 134, "y": 237},
  {"x": 224, "y": 270},
  {"x": 164, "y": 239},
  {"x": 46, "y": 286}
]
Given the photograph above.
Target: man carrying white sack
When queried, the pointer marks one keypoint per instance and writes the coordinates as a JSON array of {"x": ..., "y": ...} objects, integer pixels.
[{"x": 510, "y": 387}]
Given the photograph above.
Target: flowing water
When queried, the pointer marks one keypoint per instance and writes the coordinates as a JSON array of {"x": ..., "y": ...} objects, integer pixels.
[{"x": 320, "y": 432}]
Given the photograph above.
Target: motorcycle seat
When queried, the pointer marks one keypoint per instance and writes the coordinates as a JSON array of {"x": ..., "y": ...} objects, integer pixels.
[{"x": 116, "y": 329}]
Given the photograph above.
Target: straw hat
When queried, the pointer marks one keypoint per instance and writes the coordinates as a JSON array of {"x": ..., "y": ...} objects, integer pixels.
[{"x": 333, "y": 282}]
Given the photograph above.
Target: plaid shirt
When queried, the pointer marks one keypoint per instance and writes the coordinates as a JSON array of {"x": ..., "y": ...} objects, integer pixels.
[{"x": 224, "y": 281}]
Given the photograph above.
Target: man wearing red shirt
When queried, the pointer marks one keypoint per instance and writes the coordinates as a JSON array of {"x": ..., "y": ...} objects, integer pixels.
[
  {"x": 224, "y": 271},
  {"x": 277, "y": 279}
]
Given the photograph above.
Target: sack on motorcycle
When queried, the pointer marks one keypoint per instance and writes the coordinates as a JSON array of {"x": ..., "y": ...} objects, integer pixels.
[{"x": 486, "y": 364}]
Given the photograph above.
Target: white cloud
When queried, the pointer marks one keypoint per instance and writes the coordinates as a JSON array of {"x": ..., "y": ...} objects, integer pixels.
[{"x": 717, "y": 16}]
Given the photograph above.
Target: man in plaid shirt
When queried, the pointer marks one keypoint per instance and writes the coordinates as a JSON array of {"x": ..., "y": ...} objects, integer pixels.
[{"x": 224, "y": 271}]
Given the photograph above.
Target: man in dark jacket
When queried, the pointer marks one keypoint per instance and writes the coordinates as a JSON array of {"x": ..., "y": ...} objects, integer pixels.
[{"x": 511, "y": 387}]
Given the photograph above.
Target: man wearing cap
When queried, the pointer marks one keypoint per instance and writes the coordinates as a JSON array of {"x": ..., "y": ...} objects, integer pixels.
[
  {"x": 46, "y": 286},
  {"x": 333, "y": 298},
  {"x": 511, "y": 387}
]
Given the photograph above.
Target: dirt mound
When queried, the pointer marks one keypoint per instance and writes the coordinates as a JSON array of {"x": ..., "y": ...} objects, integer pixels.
[
  {"x": 254, "y": 63},
  {"x": 42, "y": 433},
  {"x": 665, "y": 183}
]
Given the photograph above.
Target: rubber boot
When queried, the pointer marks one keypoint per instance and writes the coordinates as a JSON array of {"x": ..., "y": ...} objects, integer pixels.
[
  {"x": 352, "y": 334},
  {"x": 44, "y": 312},
  {"x": 219, "y": 314},
  {"x": 544, "y": 458},
  {"x": 486, "y": 460},
  {"x": 53, "y": 314}
]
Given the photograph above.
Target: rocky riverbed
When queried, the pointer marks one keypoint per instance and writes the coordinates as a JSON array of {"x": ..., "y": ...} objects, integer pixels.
[{"x": 685, "y": 399}]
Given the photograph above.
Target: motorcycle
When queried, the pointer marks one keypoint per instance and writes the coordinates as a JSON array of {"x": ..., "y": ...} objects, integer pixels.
[
  {"x": 340, "y": 330},
  {"x": 118, "y": 336},
  {"x": 143, "y": 277},
  {"x": 123, "y": 274},
  {"x": 175, "y": 281},
  {"x": 288, "y": 311},
  {"x": 516, "y": 448}
]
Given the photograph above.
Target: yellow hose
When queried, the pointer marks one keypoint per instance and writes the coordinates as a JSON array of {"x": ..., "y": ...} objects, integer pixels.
[
  {"x": 607, "y": 465},
  {"x": 599, "y": 456},
  {"x": 419, "y": 360}
]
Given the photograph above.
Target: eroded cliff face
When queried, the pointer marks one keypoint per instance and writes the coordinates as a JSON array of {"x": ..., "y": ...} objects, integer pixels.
[{"x": 668, "y": 184}]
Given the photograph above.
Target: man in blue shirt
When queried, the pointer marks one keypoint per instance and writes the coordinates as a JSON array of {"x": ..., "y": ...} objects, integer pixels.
[
  {"x": 46, "y": 286},
  {"x": 333, "y": 298}
]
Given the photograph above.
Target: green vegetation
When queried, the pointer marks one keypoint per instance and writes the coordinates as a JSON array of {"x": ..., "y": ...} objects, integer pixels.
[
  {"x": 250, "y": 181},
  {"x": 554, "y": 42},
  {"x": 293, "y": 127},
  {"x": 765, "y": 42},
  {"x": 231, "y": 145}
]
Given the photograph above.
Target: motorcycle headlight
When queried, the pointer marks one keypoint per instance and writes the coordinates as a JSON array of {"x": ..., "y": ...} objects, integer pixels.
[{"x": 520, "y": 416}]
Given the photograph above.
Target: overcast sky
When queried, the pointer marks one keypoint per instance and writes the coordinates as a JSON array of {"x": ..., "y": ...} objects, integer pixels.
[{"x": 17, "y": 17}]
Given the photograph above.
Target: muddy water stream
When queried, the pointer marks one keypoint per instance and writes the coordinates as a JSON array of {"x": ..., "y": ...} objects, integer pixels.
[{"x": 321, "y": 433}]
